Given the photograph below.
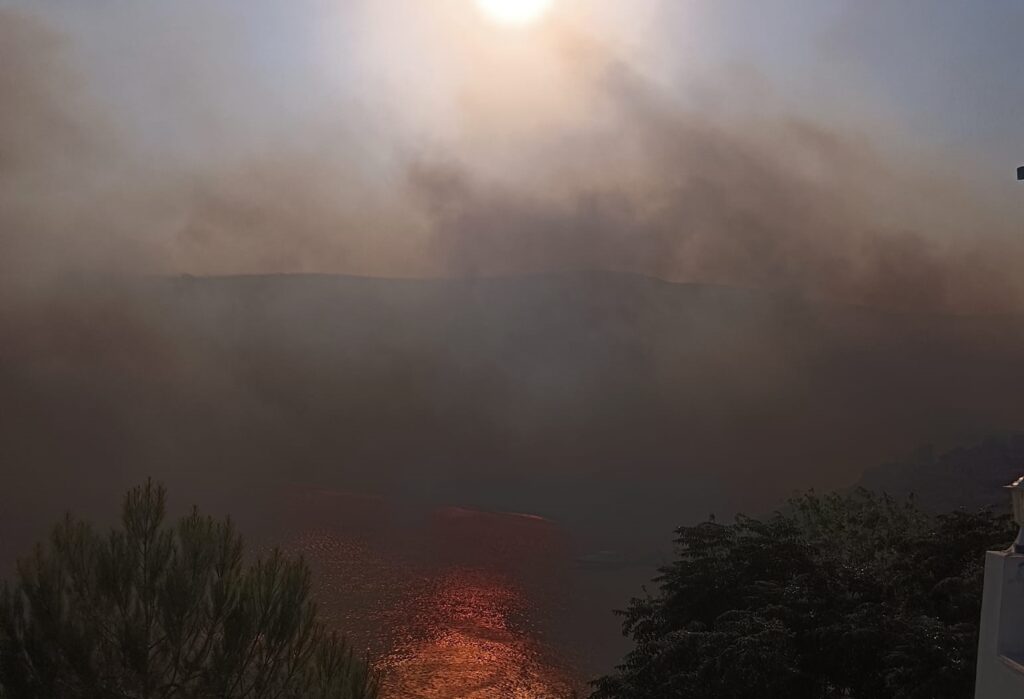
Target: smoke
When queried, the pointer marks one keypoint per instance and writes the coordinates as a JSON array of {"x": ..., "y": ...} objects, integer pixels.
[
  {"x": 770, "y": 201},
  {"x": 595, "y": 166},
  {"x": 198, "y": 178},
  {"x": 40, "y": 144},
  {"x": 171, "y": 139}
]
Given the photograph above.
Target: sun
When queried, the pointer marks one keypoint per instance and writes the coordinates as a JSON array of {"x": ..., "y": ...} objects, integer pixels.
[{"x": 515, "y": 12}]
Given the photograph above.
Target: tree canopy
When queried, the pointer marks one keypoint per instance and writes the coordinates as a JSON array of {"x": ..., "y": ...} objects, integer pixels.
[
  {"x": 844, "y": 595},
  {"x": 152, "y": 610}
]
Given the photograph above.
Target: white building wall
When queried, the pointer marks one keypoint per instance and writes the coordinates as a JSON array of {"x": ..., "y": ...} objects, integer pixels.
[{"x": 1001, "y": 641}]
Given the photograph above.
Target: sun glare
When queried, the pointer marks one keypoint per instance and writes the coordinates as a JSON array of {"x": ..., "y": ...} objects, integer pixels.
[{"x": 517, "y": 12}]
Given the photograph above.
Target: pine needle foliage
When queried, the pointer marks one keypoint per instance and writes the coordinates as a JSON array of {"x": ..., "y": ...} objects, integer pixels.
[{"x": 158, "y": 611}]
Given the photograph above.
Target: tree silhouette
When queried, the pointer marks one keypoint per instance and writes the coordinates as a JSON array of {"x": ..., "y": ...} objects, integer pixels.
[
  {"x": 838, "y": 596},
  {"x": 155, "y": 611}
]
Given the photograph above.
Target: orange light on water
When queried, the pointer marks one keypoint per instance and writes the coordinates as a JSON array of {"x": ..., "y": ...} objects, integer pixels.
[
  {"x": 465, "y": 643},
  {"x": 448, "y": 607}
]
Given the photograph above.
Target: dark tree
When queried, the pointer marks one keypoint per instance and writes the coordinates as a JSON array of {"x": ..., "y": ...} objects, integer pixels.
[
  {"x": 155, "y": 611},
  {"x": 838, "y": 596}
]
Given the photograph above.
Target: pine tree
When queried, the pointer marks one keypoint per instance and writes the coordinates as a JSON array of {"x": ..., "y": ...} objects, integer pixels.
[{"x": 156, "y": 611}]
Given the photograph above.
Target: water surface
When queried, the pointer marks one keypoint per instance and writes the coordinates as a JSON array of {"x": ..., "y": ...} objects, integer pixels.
[{"x": 458, "y": 603}]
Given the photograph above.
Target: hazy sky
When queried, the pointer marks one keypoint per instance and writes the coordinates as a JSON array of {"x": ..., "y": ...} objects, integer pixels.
[
  {"x": 855, "y": 150},
  {"x": 947, "y": 71},
  {"x": 852, "y": 148}
]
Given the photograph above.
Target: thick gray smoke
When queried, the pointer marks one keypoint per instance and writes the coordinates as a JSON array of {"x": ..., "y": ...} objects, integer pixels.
[
  {"x": 593, "y": 397},
  {"x": 763, "y": 201},
  {"x": 751, "y": 194}
]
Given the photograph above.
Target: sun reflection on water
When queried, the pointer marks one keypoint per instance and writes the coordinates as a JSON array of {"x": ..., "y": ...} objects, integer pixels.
[
  {"x": 467, "y": 640},
  {"x": 448, "y": 611}
]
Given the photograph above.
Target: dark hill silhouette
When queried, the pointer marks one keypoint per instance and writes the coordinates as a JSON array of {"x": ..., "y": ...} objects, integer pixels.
[
  {"x": 969, "y": 477},
  {"x": 622, "y": 402}
]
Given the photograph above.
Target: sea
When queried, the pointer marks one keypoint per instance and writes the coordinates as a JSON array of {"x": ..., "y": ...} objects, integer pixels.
[{"x": 452, "y": 602}]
